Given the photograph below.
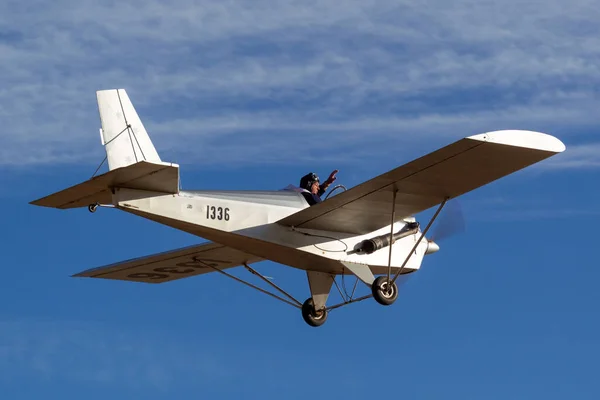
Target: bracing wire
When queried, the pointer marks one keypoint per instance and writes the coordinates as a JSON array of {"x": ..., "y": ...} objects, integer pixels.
[
  {"x": 327, "y": 237},
  {"x": 97, "y": 169}
]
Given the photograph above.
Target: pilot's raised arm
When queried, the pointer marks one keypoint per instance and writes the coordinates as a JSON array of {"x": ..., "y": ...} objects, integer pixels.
[{"x": 313, "y": 190}]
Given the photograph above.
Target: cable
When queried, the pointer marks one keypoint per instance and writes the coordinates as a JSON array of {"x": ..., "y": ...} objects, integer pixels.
[
  {"x": 344, "y": 286},
  {"x": 325, "y": 237},
  {"x": 94, "y": 174},
  {"x": 106, "y": 144},
  {"x": 333, "y": 190},
  {"x": 117, "y": 135}
]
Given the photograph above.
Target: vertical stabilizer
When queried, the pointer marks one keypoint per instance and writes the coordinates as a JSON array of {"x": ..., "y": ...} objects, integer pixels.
[{"x": 123, "y": 135}]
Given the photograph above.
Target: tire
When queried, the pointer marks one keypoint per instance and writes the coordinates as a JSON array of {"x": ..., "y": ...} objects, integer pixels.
[
  {"x": 380, "y": 292},
  {"x": 311, "y": 317}
]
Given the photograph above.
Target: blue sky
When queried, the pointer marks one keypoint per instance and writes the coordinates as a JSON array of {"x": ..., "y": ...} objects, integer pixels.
[{"x": 252, "y": 95}]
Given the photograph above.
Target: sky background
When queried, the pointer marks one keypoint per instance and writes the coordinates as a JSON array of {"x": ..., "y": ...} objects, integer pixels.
[{"x": 253, "y": 95}]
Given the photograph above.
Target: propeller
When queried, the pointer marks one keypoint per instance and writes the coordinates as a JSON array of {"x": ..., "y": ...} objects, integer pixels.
[{"x": 450, "y": 222}]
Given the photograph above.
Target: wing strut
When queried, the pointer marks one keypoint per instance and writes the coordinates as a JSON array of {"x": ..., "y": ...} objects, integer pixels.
[
  {"x": 418, "y": 241},
  {"x": 392, "y": 234},
  {"x": 297, "y": 305},
  {"x": 289, "y": 296}
]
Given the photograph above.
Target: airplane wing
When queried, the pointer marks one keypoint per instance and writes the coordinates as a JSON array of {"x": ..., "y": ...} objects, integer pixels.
[
  {"x": 174, "y": 264},
  {"x": 449, "y": 172}
]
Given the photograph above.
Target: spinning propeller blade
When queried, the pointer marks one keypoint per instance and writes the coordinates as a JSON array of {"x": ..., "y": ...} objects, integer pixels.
[{"x": 451, "y": 222}]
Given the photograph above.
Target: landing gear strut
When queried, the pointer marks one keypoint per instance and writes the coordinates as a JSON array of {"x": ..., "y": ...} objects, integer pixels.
[
  {"x": 311, "y": 316},
  {"x": 93, "y": 207}
]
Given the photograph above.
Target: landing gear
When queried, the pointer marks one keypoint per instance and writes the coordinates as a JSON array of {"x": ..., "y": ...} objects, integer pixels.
[
  {"x": 384, "y": 292},
  {"x": 320, "y": 285},
  {"x": 312, "y": 316},
  {"x": 93, "y": 207}
]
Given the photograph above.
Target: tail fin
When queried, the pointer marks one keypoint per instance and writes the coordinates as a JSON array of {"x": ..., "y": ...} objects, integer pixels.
[
  {"x": 133, "y": 162},
  {"x": 123, "y": 134}
]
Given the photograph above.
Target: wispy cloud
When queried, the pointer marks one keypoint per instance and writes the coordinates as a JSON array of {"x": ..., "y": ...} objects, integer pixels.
[
  {"x": 91, "y": 352},
  {"x": 579, "y": 156},
  {"x": 299, "y": 75}
]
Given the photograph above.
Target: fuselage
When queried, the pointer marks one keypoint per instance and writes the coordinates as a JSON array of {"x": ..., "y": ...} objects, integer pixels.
[{"x": 254, "y": 215}]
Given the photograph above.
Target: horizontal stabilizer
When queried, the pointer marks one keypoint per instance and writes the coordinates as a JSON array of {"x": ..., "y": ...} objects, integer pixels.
[
  {"x": 175, "y": 264},
  {"x": 449, "y": 172},
  {"x": 158, "y": 177}
]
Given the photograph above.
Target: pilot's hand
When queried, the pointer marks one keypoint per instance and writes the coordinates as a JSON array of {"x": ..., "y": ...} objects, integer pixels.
[{"x": 332, "y": 176}]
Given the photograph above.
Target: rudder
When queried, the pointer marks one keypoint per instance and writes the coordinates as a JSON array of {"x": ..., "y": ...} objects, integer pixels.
[{"x": 123, "y": 135}]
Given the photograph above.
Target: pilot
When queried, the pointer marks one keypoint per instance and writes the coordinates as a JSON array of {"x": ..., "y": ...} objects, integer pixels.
[{"x": 312, "y": 189}]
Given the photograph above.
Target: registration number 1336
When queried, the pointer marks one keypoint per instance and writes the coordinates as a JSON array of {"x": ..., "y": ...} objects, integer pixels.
[{"x": 219, "y": 213}]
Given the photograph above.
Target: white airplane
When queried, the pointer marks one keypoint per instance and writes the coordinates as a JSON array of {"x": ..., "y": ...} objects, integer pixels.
[{"x": 346, "y": 234}]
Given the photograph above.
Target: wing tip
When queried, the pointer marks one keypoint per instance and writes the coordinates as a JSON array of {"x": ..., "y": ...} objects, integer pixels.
[
  {"x": 43, "y": 202},
  {"x": 83, "y": 274},
  {"x": 522, "y": 138}
]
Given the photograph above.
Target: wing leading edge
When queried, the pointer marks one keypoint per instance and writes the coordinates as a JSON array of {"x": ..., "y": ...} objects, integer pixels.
[
  {"x": 451, "y": 171},
  {"x": 174, "y": 264}
]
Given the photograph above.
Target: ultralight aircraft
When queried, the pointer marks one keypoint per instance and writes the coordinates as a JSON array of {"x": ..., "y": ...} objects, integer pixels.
[{"x": 368, "y": 231}]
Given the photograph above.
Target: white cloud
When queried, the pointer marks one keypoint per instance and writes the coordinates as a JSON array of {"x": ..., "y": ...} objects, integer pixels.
[
  {"x": 579, "y": 156},
  {"x": 362, "y": 72},
  {"x": 83, "y": 351}
]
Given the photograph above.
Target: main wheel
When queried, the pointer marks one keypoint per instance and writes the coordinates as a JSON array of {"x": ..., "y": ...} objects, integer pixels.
[
  {"x": 384, "y": 293},
  {"x": 312, "y": 316},
  {"x": 93, "y": 207}
]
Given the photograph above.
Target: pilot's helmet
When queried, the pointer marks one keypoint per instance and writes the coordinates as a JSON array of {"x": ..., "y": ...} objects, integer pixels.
[{"x": 307, "y": 180}]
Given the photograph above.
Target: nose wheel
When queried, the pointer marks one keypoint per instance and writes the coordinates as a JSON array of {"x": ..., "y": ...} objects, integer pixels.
[{"x": 384, "y": 292}]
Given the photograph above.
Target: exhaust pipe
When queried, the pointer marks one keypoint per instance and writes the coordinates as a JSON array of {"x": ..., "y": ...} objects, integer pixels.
[{"x": 379, "y": 242}]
